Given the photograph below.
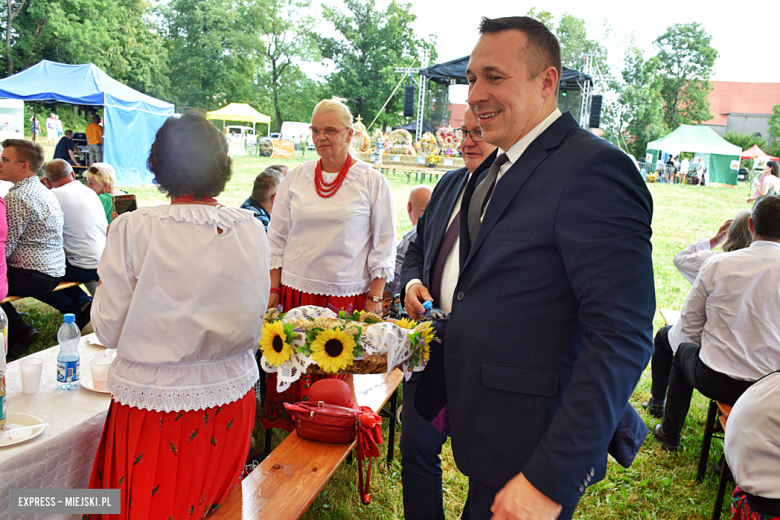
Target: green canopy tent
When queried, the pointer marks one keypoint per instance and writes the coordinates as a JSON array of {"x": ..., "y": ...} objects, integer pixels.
[{"x": 720, "y": 157}]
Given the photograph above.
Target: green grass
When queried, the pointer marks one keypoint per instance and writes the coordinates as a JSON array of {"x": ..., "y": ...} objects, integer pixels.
[{"x": 658, "y": 486}]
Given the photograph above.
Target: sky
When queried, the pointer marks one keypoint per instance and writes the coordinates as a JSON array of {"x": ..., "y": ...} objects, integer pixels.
[{"x": 745, "y": 33}]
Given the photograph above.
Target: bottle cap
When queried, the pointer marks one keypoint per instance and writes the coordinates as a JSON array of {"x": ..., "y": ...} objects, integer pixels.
[
  {"x": 427, "y": 305},
  {"x": 69, "y": 318}
]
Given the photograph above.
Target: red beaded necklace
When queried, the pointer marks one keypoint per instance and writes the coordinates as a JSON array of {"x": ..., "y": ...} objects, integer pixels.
[
  {"x": 186, "y": 197},
  {"x": 325, "y": 189}
]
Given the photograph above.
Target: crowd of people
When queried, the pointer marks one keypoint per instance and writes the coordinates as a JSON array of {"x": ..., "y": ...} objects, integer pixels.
[{"x": 546, "y": 292}]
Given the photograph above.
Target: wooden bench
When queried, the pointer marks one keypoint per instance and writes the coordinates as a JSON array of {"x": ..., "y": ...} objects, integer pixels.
[
  {"x": 61, "y": 286},
  {"x": 286, "y": 483},
  {"x": 410, "y": 170}
]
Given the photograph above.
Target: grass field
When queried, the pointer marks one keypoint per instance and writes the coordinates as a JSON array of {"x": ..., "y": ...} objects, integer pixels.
[{"x": 658, "y": 486}]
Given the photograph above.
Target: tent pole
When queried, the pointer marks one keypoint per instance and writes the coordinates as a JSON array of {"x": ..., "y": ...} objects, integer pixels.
[{"x": 35, "y": 118}]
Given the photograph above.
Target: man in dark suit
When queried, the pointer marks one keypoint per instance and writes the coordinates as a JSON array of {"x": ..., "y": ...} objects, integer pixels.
[
  {"x": 551, "y": 323},
  {"x": 431, "y": 261}
]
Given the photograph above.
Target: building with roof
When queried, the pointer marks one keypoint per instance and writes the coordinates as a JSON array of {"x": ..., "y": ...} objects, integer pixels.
[{"x": 742, "y": 107}]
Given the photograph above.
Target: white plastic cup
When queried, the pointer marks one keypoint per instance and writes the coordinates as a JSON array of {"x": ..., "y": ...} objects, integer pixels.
[
  {"x": 99, "y": 367},
  {"x": 31, "y": 368}
]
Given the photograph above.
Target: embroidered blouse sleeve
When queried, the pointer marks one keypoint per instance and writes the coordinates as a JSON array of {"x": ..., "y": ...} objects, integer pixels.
[
  {"x": 281, "y": 221},
  {"x": 381, "y": 259},
  {"x": 117, "y": 284}
]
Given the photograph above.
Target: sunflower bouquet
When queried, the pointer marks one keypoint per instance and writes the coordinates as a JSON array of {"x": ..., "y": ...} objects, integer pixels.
[{"x": 313, "y": 338}]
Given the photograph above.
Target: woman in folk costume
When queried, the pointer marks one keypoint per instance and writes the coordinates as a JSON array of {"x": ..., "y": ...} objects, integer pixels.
[
  {"x": 183, "y": 290},
  {"x": 332, "y": 237}
]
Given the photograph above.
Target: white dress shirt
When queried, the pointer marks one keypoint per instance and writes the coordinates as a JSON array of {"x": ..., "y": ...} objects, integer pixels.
[
  {"x": 449, "y": 278},
  {"x": 333, "y": 246},
  {"x": 689, "y": 260},
  {"x": 733, "y": 308},
  {"x": 84, "y": 233},
  {"x": 752, "y": 444},
  {"x": 182, "y": 303}
]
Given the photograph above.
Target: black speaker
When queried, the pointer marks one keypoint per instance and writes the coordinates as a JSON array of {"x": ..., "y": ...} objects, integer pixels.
[
  {"x": 595, "y": 111},
  {"x": 409, "y": 101}
]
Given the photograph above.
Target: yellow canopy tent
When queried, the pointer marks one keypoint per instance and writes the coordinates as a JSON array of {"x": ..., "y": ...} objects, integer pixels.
[{"x": 240, "y": 112}]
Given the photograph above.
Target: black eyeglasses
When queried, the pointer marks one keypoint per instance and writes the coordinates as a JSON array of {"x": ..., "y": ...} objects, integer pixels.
[{"x": 476, "y": 135}]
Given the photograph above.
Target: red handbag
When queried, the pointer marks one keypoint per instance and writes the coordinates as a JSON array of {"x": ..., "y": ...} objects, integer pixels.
[{"x": 339, "y": 425}]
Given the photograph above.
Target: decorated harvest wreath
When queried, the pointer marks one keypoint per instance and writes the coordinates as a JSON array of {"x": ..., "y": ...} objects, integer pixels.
[
  {"x": 427, "y": 145},
  {"x": 313, "y": 339}
]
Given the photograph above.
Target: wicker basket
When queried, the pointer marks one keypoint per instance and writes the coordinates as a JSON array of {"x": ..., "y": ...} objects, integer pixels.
[{"x": 372, "y": 365}]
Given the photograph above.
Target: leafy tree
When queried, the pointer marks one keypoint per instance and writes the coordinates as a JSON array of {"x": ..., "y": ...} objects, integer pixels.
[
  {"x": 370, "y": 45},
  {"x": 213, "y": 53},
  {"x": 13, "y": 11},
  {"x": 774, "y": 122},
  {"x": 685, "y": 62},
  {"x": 297, "y": 96},
  {"x": 572, "y": 32},
  {"x": 744, "y": 141},
  {"x": 546, "y": 17},
  {"x": 288, "y": 37}
]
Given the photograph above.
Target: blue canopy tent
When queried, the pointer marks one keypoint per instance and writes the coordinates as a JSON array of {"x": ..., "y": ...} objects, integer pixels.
[{"x": 130, "y": 121}]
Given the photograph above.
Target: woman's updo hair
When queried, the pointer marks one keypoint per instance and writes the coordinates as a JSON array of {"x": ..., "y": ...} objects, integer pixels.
[
  {"x": 190, "y": 155},
  {"x": 738, "y": 236},
  {"x": 335, "y": 105},
  {"x": 774, "y": 168}
]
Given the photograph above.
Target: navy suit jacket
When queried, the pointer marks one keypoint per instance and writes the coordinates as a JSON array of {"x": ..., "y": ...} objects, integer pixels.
[
  {"x": 431, "y": 227},
  {"x": 551, "y": 325}
]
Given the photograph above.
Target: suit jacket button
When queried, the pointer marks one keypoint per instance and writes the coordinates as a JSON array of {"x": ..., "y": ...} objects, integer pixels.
[
  {"x": 592, "y": 471},
  {"x": 581, "y": 488},
  {"x": 460, "y": 296}
]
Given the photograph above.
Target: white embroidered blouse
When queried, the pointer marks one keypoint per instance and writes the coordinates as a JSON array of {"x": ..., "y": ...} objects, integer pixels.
[
  {"x": 182, "y": 303},
  {"x": 333, "y": 246}
]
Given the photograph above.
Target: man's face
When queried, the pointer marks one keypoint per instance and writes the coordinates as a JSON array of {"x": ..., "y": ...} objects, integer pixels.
[
  {"x": 11, "y": 168},
  {"x": 506, "y": 102},
  {"x": 474, "y": 152}
]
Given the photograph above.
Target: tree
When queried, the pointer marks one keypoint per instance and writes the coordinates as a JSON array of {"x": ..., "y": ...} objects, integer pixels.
[
  {"x": 745, "y": 141},
  {"x": 546, "y": 17},
  {"x": 370, "y": 46},
  {"x": 774, "y": 122},
  {"x": 288, "y": 37},
  {"x": 13, "y": 12},
  {"x": 572, "y": 33},
  {"x": 213, "y": 53},
  {"x": 685, "y": 62}
]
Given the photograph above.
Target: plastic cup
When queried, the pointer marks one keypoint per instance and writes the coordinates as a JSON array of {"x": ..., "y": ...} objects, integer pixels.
[
  {"x": 31, "y": 367},
  {"x": 99, "y": 367}
]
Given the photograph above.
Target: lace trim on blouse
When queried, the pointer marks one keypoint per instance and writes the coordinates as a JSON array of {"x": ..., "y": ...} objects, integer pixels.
[
  {"x": 223, "y": 216},
  {"x": 326, "y": 288}
]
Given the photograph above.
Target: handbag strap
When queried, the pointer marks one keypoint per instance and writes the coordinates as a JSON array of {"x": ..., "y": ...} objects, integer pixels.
[{"x": 365, "y": 493}]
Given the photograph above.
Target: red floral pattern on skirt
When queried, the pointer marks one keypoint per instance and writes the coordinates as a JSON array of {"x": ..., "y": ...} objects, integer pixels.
[
  {"x": 178, "y": 465},
  {"x": 741, "y": 510},
  {"x": 274, "y": 414}
]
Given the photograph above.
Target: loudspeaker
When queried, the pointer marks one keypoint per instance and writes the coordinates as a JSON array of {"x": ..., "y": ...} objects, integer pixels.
[
  {"x": 595, "y": 111},
  {"x": 409, "y": 101}
]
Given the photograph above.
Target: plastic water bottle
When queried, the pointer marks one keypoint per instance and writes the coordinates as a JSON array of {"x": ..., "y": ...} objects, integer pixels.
[
  {"x": 431, "y": 312},
  {"x": 68, "y": 361}
]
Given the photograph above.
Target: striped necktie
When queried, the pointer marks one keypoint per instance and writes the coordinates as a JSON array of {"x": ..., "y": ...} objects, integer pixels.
[{"x": 444, "y": 250}]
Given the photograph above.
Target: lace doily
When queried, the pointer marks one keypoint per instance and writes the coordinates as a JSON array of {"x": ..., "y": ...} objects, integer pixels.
[{"x": 379, "y": 338}]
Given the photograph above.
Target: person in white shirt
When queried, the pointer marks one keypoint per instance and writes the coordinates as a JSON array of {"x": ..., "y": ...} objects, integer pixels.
[
  {"x": 84, "y": 233},
  {"x": 332, "y": 236},
  {"x": 183, "y": 291},
  {"x": 730, "y": 319},
  {"x": 752, "y": 449},
  {"x": 688, "y": 262}
]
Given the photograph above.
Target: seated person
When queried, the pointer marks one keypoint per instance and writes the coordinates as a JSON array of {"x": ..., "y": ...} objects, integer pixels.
[
  {"x": 261, "y": 202},
  {"x": 729, "y": 324},
  {"x": 65, "y": 149},
  {"x": 689, "y": 262},
  {"x": 101, "y": 178},
  {"x": 752, "y": 451},
  {"x": 83, "y": 235},
  {"x": 34, "y": 252},
  {"x": 418, "y": 200},
  {"x": 281, "y": 168}
]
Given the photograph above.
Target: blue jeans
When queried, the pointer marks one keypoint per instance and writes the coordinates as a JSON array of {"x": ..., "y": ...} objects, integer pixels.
[{"x": 420, "y": 460}]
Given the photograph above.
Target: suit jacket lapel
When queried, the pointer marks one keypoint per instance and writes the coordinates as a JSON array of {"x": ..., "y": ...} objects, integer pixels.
[{"x": 511, "y": 182}]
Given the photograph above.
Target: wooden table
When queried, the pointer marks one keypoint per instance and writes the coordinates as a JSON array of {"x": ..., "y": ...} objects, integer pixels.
[{"x": 285, "y": 484}]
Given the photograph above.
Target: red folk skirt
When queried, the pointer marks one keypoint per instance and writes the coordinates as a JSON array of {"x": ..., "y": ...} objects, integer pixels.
[
  {"x": 274, "y": 414},
  {"x": 173, "y": 464}
]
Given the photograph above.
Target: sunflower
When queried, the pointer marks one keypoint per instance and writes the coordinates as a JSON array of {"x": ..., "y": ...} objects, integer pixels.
[
  {"x": 332, "y": 350},
  {"x": 274, "y": 344},
  {"x": 426, "y": 331},
  {"x": 406, "y": 323}
]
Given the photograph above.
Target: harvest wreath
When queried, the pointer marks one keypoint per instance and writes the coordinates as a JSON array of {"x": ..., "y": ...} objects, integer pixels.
[{"x": 317, "y": 340}]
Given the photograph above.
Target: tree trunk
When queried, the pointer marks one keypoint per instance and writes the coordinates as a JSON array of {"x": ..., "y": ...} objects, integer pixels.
[
  {"x": 8, "y": 58},
  {"x": 275, "y": 87}
]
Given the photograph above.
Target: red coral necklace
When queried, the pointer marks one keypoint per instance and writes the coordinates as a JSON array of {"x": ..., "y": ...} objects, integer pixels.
[
  {"x": 187, "y": 197},
  {"x": 329, "y": 189}
]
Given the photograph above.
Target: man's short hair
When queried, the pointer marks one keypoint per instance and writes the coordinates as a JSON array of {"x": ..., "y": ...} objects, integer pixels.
[
  {"x": 68, "y": 132},
  {"x": 766, "y": 217},
  {"x": 281, "y": 168},
  {"x": 28, "y": 151},
  {"x": 57, "y": 169},
  {"x": 548, "y": 50},
  {"x": 266, "y": 184}
]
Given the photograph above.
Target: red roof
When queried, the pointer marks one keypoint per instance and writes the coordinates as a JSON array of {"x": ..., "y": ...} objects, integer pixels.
[{"x": 730, "y": 97}]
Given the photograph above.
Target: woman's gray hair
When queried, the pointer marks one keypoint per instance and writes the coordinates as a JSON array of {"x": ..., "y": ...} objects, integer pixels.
[{"x": 738, "y": 236}]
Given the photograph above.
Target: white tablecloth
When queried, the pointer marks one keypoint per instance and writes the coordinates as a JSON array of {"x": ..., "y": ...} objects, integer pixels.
[{"x": 62, "y": 456}]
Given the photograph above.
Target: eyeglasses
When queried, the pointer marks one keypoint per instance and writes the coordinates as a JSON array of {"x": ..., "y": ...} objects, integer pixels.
[
  {"x": 327, "y": 132},
  {"x": 5, "y": 160},
  {"x": 476, "y": 135}
]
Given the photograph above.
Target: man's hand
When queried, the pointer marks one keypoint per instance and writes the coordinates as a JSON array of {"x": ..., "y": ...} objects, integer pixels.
[
  {"x": 721, "y": 234},
  {"x": 414, "y": 299},
  {"x": 520, "y": 500},
  {"x": 273, "y": 300}
]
